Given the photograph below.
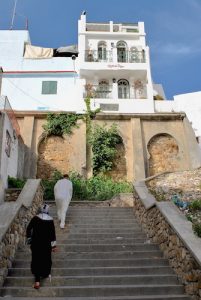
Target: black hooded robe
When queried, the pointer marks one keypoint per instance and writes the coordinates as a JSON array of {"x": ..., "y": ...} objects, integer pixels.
[{"x": 42, "y": 232}]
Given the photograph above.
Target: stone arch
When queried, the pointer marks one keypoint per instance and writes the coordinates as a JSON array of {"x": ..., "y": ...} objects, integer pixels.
[
  {"x": 163, "y": 150},
  {"x": 119, "y": 170},
  {"x": 53, "y": 155}
]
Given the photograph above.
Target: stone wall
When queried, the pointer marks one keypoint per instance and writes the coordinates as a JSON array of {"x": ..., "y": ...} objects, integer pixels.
[
  {"x": 12, "y": 194},
  {"x": 14, "y": 236},
  {"x": 136, "y": 131},
  {"x": 160, "y": 232}
]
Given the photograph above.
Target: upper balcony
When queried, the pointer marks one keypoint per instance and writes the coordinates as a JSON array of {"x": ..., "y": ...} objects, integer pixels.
[
  {"x": 112, "y": 27},
  {"x": 133, "y": 56}
]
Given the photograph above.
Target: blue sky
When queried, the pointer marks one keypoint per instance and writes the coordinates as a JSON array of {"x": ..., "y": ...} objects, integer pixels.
[{"x": 173, "y": 31}]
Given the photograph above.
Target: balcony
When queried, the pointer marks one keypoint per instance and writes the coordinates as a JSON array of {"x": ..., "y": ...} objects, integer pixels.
[
  {"x": 96, "y": 56},
  {"x": 113, "y": 27},
  {"x": 98, "y": 92},
  {"x": 115, "y": 92},
  {"x": 110, "y": 56}
]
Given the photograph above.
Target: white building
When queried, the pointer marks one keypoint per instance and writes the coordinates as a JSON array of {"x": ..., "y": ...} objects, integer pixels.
[{"x": 114, "y": 66}]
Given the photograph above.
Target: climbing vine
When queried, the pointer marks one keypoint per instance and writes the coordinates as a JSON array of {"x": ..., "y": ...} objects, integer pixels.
[
  {"x": 103, "y": 141},
  {"x": 89, "y": 115},
  {"x": 60, "y": 124}
]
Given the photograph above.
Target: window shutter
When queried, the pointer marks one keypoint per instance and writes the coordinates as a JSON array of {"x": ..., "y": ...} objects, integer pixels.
[{"x": 49, "y": 87}]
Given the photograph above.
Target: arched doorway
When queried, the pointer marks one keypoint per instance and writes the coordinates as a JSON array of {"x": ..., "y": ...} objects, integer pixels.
[
  {"x": 163, "y": 150},
  {"x": 102, "y": 51},
  {"x": 122, "y": 51},
  {"x": 123, "y": 89}
]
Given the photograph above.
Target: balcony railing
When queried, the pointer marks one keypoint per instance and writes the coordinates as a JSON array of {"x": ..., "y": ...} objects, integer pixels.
[
  {"x": 96, "y": 56},
  {"x": 105, "y": 92},
  {"x": 131, "y": 56},
  {"x": 99, "y": 92},
  {"x": 122, "y": 56}
]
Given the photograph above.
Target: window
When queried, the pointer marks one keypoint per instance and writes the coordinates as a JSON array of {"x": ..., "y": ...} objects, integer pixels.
[
  {"x": 123, "y": 89},
  {"x": 121, "y": 51},
  {"x": 8, "y": 143},
  {"x": 49, "y": 87},
  {"x": 102, "y": 53},
  {"x": 103, "y": 90}
]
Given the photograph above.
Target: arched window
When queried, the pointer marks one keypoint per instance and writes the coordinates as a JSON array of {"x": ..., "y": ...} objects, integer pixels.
[
  {"x": 123, "y": 89},
  {"x": 102, "y": 52},
  {"x": 122, "y": 51},
  {"x": 103, "y": 89}
]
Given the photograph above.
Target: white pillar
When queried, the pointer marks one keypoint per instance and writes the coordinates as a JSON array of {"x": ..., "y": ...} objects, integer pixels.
[{"x": 114, "y": 91}]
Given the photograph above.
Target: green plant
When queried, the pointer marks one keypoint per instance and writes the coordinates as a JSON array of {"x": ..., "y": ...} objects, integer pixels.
[
  {"x": 95, "y": 188},
  {"x": 48, "y": 185},
  {"x": 89, "y": 115},
  {"x": 103, "y": 142},
  {"x": 195, "y": 205},
  {"x": 16, "y": 182},
  {"x": 197, "y": 229},
  {"x": 60, "y": 124}
]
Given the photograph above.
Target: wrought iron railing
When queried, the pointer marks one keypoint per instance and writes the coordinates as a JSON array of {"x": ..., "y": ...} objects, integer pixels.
[
  {"x": 125, "y": 56},
  {"x": 6, "y": 107},
  {"x": 98, "y": 91},
  {"x": 98, "y": 56}
]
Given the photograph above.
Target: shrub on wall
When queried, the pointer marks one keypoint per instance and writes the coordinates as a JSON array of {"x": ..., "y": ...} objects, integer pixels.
[
  {"x": 103, "y": 141},
  {"x": 16, "y": 182},
  {"x": 60, "y": 124}
]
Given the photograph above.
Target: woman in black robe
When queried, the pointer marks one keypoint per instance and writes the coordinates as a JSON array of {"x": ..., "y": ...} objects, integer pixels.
[{"x": 41, "y": 232}]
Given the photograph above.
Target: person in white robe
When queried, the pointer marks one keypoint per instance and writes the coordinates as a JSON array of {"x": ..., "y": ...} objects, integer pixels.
[{"x": 63, "y": 191}]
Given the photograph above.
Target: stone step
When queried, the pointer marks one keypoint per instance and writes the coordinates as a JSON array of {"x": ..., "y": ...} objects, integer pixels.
[
  {"x": 26, "y": 255},
  {"x": 144, "y": 297},
  {"x": 103, "y": 254},
  {"x": 93, "y": 291},
  {"x": 99, "y": 236},
  {"x": 116, "y": 240},
  {"x": 103, "y": 209},
  {"x": 70, "y": 263},
  {"x": 135, "y": 270},
  {"x": 95, "y": 280},
  {"x": 106, "y": 247},
  {"x": 72, "y": 239},
  {"x": 91, "y": 230},
  {"x": 79, "y": 219},
  {"x": 104, "y": 225}
]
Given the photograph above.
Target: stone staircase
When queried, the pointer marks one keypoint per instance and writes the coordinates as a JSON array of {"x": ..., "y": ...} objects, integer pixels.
[{"x": 103, "y": 254}]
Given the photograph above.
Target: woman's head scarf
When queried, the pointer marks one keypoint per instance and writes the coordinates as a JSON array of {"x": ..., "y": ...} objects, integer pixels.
[{"x": 44, "y": 209}]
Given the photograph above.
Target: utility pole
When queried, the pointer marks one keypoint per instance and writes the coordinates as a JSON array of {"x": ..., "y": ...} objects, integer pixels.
[{"x": 13, "y": 15}]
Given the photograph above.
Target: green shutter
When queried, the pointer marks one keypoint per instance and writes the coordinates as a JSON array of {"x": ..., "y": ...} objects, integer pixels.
[{"x": 49, "y": 87}]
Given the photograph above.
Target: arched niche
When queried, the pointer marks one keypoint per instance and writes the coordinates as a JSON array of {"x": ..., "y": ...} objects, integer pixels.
[
  {"x": 163, "y": 154},
  {"x": 53, "y": 155}
]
